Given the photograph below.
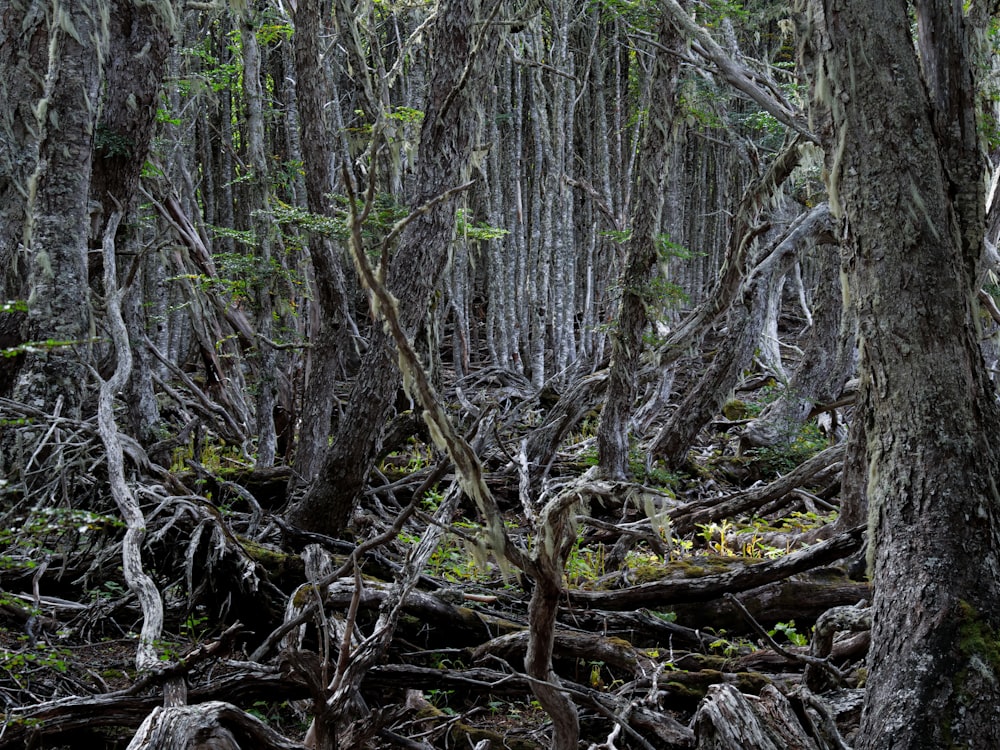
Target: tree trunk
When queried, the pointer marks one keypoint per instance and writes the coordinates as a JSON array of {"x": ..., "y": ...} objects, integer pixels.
[
  {"x": 332, "y": 340},
  {"x": 140, "y": 42},
  {"x": 23, "y": 54},
  {"x": 910, "y": 181},
  {"x": 59, "y": 214},
  {"x": 462, "y": 53},
  {"x": 640, "y": 259}
]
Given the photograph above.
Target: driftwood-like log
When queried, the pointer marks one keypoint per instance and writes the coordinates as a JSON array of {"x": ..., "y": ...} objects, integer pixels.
[
  {"x": 686, "y": 518},
  {"x": 801, "y": 600},
  {"x": 729, "y": 720},
  {"x": 207, "y": 726}
]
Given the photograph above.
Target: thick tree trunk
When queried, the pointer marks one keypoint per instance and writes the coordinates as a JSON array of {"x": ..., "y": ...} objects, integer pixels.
[
  {"x": 910, "y": 180},
  {"x": 23, "y": 53},
  {"x": 140, "y": 41},
  {"x": 462, "y": 53},
  {"x": 59, "y": 214}
]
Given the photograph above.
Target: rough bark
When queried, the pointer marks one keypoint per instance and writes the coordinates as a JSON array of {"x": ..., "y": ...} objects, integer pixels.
[
  {"x": 730, "y": 720},
  {"x": 641, "y": 255},
  {"x": 139, "y": 43},
  {"x": 54, "y": 375},
  {"x": 909, "y": 177},
  {"x": 24, "y": 58},
  {"x": 215, "y": 725},
  {"x": 463, "y": 51},
  {"x": 265, "y": 239},
  {"x": 331, "y": 340}
]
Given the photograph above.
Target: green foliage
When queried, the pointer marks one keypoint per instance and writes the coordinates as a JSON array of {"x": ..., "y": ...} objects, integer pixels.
[
  {"x": 781, "y": 459},
  {"x": 21, "y": 666},
  {"x": 289, "y": 215},
  {"x": 273, "y": 33},
  {"x": 711, "y": 13},
  {"x": 585, "y": 564},
  {"x": 788, "y": 630},
  {"x": 477, "y": 231},
  {"x": 452, "y": 561},
  {"x": 731, "y": 647},
  {"x": 14, "y": 306},
  {"x": 406, "y": 115},
  {"x": 110, "y": 143},
  {"x": 36, "y": 534},
  {"x": 217, "y": 75}
]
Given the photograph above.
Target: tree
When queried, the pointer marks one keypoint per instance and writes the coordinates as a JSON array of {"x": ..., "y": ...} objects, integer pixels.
[
  {"x": 462, "y": 52},
  {"x": 908, "y": 176},
  {"x": 642, "y": 252},
  {"x": 58, "y": 212}
]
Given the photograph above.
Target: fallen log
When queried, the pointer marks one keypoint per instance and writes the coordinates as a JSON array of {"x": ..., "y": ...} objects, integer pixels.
[{"x": 656, "y": 594}]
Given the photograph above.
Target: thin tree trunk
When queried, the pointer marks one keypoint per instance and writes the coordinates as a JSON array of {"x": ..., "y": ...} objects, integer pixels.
[
  {"x": 331, "y": 341},
  {"x": 264, "y": 237},
  {"x": 640, "y": 259}
]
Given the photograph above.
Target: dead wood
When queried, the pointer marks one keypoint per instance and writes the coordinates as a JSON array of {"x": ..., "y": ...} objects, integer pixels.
[
  {"x": 659, "y": 593},
  {"x": 800, "y": 599},
  {"x": 213, "y": 726},
  {"x": 731, "y": 720},
  {"x": 815, "y": 470}
]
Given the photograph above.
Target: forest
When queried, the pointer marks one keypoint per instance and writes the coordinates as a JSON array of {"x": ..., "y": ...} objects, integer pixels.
[{"x": 526, "y": 374}]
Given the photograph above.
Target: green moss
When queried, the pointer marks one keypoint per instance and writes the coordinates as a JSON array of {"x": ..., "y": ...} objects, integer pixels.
[
  {"x": 978, "y": 643},
  {"x": 275, "y": 562},
  {"x": 735, "y": 409},
  {"x": 978, "y": 655}
]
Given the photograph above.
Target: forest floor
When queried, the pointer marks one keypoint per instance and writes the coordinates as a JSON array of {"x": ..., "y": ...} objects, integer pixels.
[{"x": 690, "y": 599}]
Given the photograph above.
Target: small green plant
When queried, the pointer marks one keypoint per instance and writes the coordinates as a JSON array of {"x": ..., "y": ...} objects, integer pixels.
[
  {"x": 585, "y": 564},
  {"x": 21, "y": 665},
  {"x": 730, "y": 648},
  {"x": 716, "y": 536},
  {"x": 788, "y": 629},
  {"x": 194, "y": 627}
]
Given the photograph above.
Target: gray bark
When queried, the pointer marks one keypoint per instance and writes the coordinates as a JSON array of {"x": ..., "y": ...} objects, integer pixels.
[
  {"x": 909, "y": 179},
  {"x": 640, "y": 259},
  {"x": 264, "y": 237},
  {"x": 463, "y": 52},
  {"x": 331, "y": 337},
  {"x": 58, "y": 212}
]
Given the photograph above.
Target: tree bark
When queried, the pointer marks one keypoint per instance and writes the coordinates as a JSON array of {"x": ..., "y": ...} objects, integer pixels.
[
  {"x": 58, "y": 211},
  {"x": 640, "y": 258},
  {"x": 463, "y": 51},
  {"x": 23, "y": 53},
  {"x": 332, "y": 342},
  {"x": 909, "y": 178}
]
